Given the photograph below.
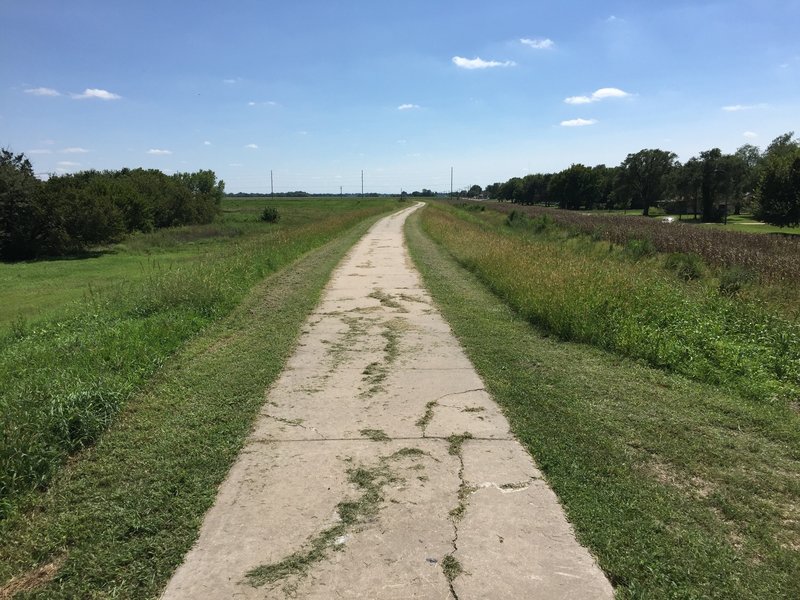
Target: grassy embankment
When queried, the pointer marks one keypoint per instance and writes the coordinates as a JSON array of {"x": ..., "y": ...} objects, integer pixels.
[
  {"x": 681, "y": 488},
  {"x": 117, "y": 520},
  {"x": 64, "y": 375}
]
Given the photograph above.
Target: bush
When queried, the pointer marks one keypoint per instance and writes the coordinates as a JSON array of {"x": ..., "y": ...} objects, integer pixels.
[
  {"x": 733, "y": 279},
  {"x": 639, "y": 249},
  {"x": 686, "y": 265},
  {"x": 270, "y": 214}
]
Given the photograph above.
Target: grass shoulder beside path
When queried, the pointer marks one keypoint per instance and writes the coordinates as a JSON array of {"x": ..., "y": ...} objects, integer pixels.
[
  {"x": 117, "y": 521},
  {"x": 674, "y": 485}
]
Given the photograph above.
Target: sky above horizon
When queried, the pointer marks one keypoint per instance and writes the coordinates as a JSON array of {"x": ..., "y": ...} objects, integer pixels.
[{"x": 319, "y": 91}]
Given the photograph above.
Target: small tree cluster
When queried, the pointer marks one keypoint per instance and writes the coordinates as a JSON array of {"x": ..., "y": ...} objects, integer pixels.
[{"x": 70, "y": 213}]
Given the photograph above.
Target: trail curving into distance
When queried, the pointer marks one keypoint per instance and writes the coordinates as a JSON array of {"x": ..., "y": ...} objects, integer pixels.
[{"x": 380, "y": 467}]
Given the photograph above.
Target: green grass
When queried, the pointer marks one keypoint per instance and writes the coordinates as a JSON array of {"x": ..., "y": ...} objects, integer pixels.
[
  {"x": 623, "y": 299},
  {"x": 64, "y": 377},
  {"x": 38, "y": 289},
  {"x": 681, "y": 489},
  {"x": 118, "y": 519}
]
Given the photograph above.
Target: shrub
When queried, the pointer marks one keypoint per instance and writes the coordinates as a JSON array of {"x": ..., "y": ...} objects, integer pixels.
[
  {"x": 686, "y": 265},
  {"x": 639, "y": 249},
  {"x": 733, "y": 279},
  {"x": 270, "y": 214}
]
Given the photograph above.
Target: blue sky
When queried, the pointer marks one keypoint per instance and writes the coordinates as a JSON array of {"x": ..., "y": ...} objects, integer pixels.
[{"x": 317, "y": 91}]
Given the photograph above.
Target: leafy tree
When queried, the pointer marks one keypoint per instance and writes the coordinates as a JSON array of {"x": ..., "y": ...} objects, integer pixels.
[
  {"x": 475, "y": 191},
  {"x": 575, "y": 187},
  {"x": 687, "y": 182},
  {"x": 778, "y": 193},
  {"x": 508, "y": 190},
  {"x": 645, "y": 177},
  {"x": 19, "y": 189},
  {"x": 714, "y": 183}
]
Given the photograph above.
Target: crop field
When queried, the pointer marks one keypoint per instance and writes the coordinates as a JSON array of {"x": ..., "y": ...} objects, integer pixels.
[
  {"x": 663, "y": 411},
  {"x": 90, "y": 332}
]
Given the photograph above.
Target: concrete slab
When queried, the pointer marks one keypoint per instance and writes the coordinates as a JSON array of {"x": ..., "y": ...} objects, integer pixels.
[{"x": 352, "y": 485}]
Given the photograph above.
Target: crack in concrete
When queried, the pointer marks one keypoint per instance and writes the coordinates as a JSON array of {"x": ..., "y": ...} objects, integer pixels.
[
  {"x": 296, "y": 423},
  {"x": 461, "y": 508},
  {"x": 438, "y": 438},
  {"x": 427, "y": 416}
]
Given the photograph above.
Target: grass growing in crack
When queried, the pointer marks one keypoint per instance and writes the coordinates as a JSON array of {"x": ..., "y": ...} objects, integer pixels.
[
  {"x": 473, "y": 409},
  {"x": 376, "y": 435},
  {"x": 681, "y": 489},
  {"x": 375, "y": 373},
  {"x": 370, "y": 481},
  {"x": 456, "y": 441},
  {"x": 427, "y": 416},
  {"x": 387, "y": 300},
  {"x": 451, "y": 567}
]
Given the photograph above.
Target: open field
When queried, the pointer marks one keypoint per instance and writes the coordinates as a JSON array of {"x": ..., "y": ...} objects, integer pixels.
[
  {"x": 64, "y": 376},
  {"x": 680, "y": 488},
  {"x": 33, "y": 289},
  {"x": 118, "y": 519}
]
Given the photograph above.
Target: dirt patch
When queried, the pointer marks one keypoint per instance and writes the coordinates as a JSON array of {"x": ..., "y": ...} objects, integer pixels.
[{"x": 31, "y": 580}]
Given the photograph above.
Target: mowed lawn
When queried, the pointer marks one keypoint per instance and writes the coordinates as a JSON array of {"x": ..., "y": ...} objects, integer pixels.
[{"x": 35, "y": 289}]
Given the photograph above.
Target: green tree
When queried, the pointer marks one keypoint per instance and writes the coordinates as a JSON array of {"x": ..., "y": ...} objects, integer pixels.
[
  {"x": 645, "y": 177},
  {"x": 575, "y": 187},
  {"x": 713, "y": 183},
  {"x": 778, "y": 193},
  {"x": 19, "y": 189},
  {"x": 474, "y": 191}
]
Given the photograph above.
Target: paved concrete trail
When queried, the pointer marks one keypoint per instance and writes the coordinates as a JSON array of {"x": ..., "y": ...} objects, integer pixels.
[{"x": 379, "y": 466}]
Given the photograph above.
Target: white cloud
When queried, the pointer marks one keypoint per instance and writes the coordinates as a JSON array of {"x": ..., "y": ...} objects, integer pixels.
[
  {"x": 479, "y": 63},
  {"x": 159, "y": 152},
  {"x": 578, "y": 122},
  {"x": 95, "y": 93},
  {"x": 408, "y": 106},
  {"x": 750, "y": 135},
  {"x": 75, "y": 150},
  {"x": 42, "y": 91},
  {"x": 68, "y": 164},
  {"x": 251, "y": 104},
  {"x": 206, "y": 143},
  {"x": 232, "y": 80},
  {"x": 252, "y": 146},
  {"x": 597, "y": 95},
  {"x": 40, "y": 151},
  {"x": 741, "y": 107},
  {"x": 402, "y": 141},
  {"x": 267, "y": 103},
  {"x": 578, "y": 100},
  {"x": 543, "y": 44}
]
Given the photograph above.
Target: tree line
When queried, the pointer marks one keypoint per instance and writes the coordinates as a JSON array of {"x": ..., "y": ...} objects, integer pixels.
[
  {"x": 67, "y": 214},
  {"x": 708, "y": 185}
]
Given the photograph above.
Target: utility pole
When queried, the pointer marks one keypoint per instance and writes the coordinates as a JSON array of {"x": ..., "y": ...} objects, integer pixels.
[
  {"x": 451, "y": 182},
  {"x": 271, "y": 185},
  {"x": 340, "y": 191},
  {"x": 362, "y": 183}
]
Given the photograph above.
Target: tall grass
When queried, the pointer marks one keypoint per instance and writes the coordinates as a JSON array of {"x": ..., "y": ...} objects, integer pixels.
[
  {"x": 587, "y": 291},
  {"x": 772, "y": 258},
  {"x": 62, "y": 380}
]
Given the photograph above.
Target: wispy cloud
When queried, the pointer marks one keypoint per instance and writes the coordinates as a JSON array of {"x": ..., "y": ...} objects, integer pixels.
[
  {"x": 252, "y": 146},
  {"x": 597, "y": 96},
  {"x": 42, "y": 91},
  {"x": 159, "y": 152},
  {"x": 74, "y": 150},
  {"x": 750, "y": 135},
  {"x": 206, "y": 143},
  {"x": 538, "y": 44},
  {"x": 267, "y": 103},
  {"x": 741, "y": 107},
  {"x": 408, "y": 106},
  {"x": 39, "y": 151},
  {"x": 479, "y": 63},
  {"x": 578, "y": 122},
  {"x": 232, "y": 80},
  {"x": 90, "y": 93},
  {"x": 68, "y": 164}
]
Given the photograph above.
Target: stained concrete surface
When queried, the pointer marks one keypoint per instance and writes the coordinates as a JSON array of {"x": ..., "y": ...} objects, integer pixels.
[{"x": 379, "y": 384}]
